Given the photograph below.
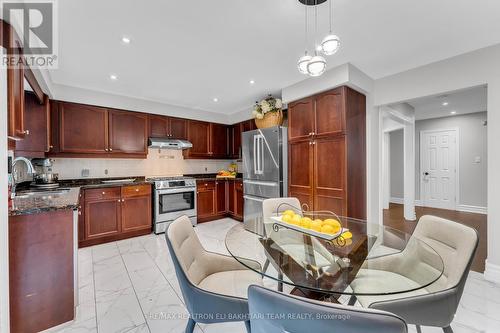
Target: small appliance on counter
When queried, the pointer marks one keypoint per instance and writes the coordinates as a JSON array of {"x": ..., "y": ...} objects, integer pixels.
[
  {"x": 173, "y": 197},
  {"x": 264, "y": 171},
  {"x": 44, "y": 178}
]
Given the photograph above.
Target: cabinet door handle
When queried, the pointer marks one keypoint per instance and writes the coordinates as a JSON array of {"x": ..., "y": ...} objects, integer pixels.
[
  {"x": 311, "y": 133},
  {"x": 106, "y": 149},
  {"x": 137, "y": 190},
  {"x": 123, "y": 200},
  {"x": 103, "y": 193},
  {"x": 27, "y": 132},
  {"x": 119, "y": 200},
  {"x": 110, "y": 149},
  {"x": 314, "y": 142}
]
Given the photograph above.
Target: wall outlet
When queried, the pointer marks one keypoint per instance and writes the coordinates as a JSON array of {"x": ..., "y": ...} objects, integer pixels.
[
  {"x": 206, "y": 169},
  {"x": 106, "y": 171},
  {"x": 85, "y": 172}
]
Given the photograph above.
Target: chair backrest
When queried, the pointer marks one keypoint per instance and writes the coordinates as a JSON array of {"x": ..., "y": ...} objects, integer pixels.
[
  {"x": 186, "y": 251},
  {"x": 270, "y": 206},
  {"x": 454, "y": 242},
  {"x": 275, "y": 312}
]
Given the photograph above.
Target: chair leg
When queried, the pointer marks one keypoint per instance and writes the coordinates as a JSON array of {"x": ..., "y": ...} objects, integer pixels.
[
  {"x": 247, "y": 325},
  {"x": 352, "y": 300},
  {"x": 280, "y": 284},
  {"x": 266, "y": 265},
  {"x": 419, "y": 329},
  {"x": 190, "y": 326},
  {"x": 447, "y": 329}
]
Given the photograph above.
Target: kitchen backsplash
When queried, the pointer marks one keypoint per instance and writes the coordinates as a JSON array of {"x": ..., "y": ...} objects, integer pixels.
[{"x": 158, "y": 163}]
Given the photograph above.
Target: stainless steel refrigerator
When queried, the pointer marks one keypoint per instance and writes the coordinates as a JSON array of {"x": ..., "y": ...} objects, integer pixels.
[{"x": 265, "y": 171}]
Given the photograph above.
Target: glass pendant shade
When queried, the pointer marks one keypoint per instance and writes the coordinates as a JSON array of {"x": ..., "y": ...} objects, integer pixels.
[
  {"x": 302, "y": 63},
  {"x": 316, "y": 66},
  {"x": 330, "y": 44}
]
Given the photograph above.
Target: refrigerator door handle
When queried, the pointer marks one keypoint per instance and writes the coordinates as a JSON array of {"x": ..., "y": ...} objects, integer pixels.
[
  {"x": 255, "y": 156},
  {"x": 252, "y": 198},
  {"x": 258, "y": 155},
  {"x": 253, "y": 182}
]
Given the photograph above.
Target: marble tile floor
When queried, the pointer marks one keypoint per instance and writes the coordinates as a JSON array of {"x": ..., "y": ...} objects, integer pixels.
[{"x": 130, "y": 286}]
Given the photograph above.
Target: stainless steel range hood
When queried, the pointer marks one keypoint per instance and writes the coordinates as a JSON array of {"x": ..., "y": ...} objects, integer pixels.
[{"x": 168, "y": 143}]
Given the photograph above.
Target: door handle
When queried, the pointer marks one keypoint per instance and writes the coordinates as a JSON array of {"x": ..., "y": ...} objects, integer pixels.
[
  {"x": 252, "y": 199},
  {"x": 426, "y": 173},
  {"x": 260, "y": 183}
]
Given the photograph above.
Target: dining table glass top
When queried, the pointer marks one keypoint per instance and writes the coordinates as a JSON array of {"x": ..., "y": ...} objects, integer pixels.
[{"x": 377, "y": 260}]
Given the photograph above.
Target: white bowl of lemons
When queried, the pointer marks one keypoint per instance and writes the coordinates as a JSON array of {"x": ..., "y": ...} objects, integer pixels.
[{"x": 326, "y": 229}]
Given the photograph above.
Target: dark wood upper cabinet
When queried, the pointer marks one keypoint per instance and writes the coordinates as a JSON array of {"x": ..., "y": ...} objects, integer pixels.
[
  {"x": 37, "y": 124},
  {"x": 128, "y": 132},
  {"x": 248, "y": 125},
  {"x": 301, "y": 119},
  {"x": 163, "y": 127},
  {"x": 218, "y": 140},
  {"x": 329, "y": 113},
  {"x": 178, "y": 128},
  {"x": 235, "y": 141},
  {"x": 15, "y": 88},
  {"x": 82, "y": 128},
  {"x": 158, "y": 126},
  {"x": 199, "y": 135}
]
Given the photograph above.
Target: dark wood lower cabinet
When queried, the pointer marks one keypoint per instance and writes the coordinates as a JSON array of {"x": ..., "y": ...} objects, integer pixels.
[
  {"x": 41, "y": 275},
  {"x": 220, "y": 198},
  {"x": 114, "y": 213}
]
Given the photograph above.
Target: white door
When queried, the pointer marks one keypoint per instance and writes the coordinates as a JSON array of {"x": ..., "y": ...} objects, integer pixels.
[{"x": 438, "y": 167}]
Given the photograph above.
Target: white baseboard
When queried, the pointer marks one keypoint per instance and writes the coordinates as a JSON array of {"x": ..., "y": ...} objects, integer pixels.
[
  {"x": 472, "y": 209},
  {"x": 492, "y": 272},
  {"x": 396, "y": 200},
  {"x": 461, "y": 208},
  {"x": 401, "y": 201}
]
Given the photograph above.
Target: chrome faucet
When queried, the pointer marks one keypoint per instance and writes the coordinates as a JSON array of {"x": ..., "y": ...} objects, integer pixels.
[{"x": 31, "y": 171}]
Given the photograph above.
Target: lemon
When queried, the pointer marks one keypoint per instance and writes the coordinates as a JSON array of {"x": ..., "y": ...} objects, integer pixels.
[
  {"x": 289, "y": 212},
  {"x": 286, "y": 218},
  {"x": 305, "y": 222},
  {"x": 347, "y": 235},
  {"x": 333, "y": 223},
  {"x": 296, "y": 220},
  {"x": 328, "y": 229},
  {"x": 316, "y": 225},
  {"x": 319, "y": 220}
]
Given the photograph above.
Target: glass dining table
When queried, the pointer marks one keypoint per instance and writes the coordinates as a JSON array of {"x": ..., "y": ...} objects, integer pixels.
[{"x": 377, "y": 260}]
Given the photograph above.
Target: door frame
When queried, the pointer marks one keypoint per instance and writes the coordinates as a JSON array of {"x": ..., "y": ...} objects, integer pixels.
[{"x": 457, "y": 164}]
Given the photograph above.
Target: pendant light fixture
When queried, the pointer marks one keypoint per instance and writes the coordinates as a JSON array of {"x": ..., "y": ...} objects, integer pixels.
[
  {"x": 304, "y": 60},
  {"x": 331, "y": 43},
  {"x": 317, "y": 65}
]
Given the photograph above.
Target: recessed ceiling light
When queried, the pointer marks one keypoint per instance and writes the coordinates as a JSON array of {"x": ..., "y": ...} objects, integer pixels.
[
  {"x": 215, "y": 99},
  {"x": 445, "y": 103},
  {"x": 252, "y": 82},
  {"x": 453, "y": 112},
  {"x": 113, "y": 77},
  {"x": 126, "y": 40}
]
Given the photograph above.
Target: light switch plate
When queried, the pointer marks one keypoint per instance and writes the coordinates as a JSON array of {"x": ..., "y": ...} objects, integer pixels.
[{"x": 85, "y": 172}]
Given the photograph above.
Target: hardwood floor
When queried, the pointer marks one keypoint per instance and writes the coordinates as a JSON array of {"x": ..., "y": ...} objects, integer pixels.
[{"x": 393, "y": 217}]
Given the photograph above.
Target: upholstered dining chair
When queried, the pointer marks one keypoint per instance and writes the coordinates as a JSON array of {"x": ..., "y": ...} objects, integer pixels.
[
  {"x": 214, "y": 286},
  {"x": 435, "y": 305},
  {"x": 275, "y": 312}
]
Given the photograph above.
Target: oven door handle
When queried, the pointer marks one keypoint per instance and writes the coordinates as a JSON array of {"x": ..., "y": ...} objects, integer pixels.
[{"x": 177, "y": 190}]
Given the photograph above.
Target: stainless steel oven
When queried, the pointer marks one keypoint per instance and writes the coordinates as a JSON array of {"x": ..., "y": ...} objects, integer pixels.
[{"x": 173, "y": 197}]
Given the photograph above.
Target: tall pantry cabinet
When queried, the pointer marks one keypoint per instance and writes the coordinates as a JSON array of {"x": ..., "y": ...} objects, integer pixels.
[{"x": 327, "y": 152}]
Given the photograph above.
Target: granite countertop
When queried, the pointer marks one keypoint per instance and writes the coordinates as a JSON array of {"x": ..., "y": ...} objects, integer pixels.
[
  {"x": 212, "y": 176},
  {"x": 68, "y": 199},
  {"x": 34, "y": 204},
  {"x": 97, "y": 182}
]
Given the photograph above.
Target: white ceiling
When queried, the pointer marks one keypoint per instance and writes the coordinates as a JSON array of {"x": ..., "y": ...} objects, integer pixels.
[
  {"x": 188, "y": 52},
  {"x": 461, "y": 102}
]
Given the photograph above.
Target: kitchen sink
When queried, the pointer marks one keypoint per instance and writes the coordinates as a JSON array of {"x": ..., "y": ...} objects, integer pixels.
[{"x": 47, "y": 193}]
